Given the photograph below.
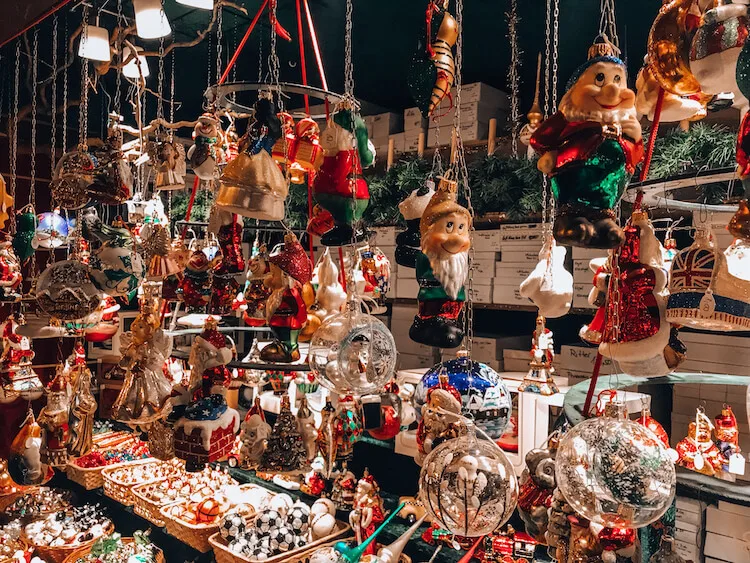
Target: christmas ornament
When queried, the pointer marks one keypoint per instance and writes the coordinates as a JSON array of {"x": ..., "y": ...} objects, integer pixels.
[
  {"x": 376, "y": 270},
  {"x": 113, "y": 178},
  {"x": 284, "y": 145},
  {"x": 205, "y": 433},
  {"x": 82, "y": 407},
  {"x": 168, "y": 161},
  {"x": 26, "y": 224},
  {"x": 442, "y": 267},
  {"x": 252, "y": 184},
  {"x": 697, "y": 451},
  {"x": 285, "y": 449},
  {"x": 342, "y": 496},
  {"x": 439, "y": 417},
  {"x": 16, "y": 372},
  {"x": 116, "y": 268},
  {"x": 389, "y": 420},
  {"x": 312, "y": 323},
  {"x": 108, "y": 323},
  {"x": 25, "y": 465},
  {"x": 330, "y": 296},
  {"x": 230, "y": 244},
  {"x": 255, "y": 292},
  {"x": 353, "y": 352},
  {"x": 616, "y": 543},
  {"x": 6, "y": 203},
  {"x": 727, "y": 440},
  {"x": 161, "y": 440},
  {"x": 339, "y": 186},
  {"x": 145, "y": 394},
  {"x": 53, "y": 418},
  {"x": 51, "y": 231},
  {"x": 162, "y": 257},
  {"x": 207, "y": 150},
  {"x": 550, "y": 285},
  {"x": 636, "y": 332},
  {"x": 739, "y": 224},
  {"x": 10, "y": 272},
  {"x": 539, "y": 377},
  {"x": 71, "y": 179},
  {"x": 615, "y": 472},
  {"x": 195, "y": 288},
  {"x": 482, "y": 392},
  {"x": 666, "y": 553},
  {"x": 703, "y": 293},
  {"x": 536, "y": 489},
  {"x": 408, "y": 242},
  {"x": 432, "y": 70},
  {"x": 368, "y": 512},
  {"x": 286, "y": 312},
  {"x": 590, "y": 149},
  {"x": 307, "y": 429},
  {"x": 468, "y": 486},
  {"x": 349, "y": 554},
  {"x": 674, "y": 108},
  {"x": 320, "y": 222},
  {"x": 307, "y": 153},
  {"x": 209, "y": 355},
  {"x": 254, "y": 433}
]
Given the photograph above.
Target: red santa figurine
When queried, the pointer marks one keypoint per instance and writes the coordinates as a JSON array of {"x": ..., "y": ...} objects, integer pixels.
[
  {"x": 286, "y": 311},
  {"x": 209, "y": 356},
  {"x": 367, "y": 514}
]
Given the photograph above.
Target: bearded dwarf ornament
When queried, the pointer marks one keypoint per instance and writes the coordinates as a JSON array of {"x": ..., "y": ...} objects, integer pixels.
[
  {"x": 442, "y": 267},
  {"x": 590, "y": 149}
]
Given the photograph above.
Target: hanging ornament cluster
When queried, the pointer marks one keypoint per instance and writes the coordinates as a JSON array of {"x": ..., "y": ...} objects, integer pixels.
[{"x": 712, "y": 448}]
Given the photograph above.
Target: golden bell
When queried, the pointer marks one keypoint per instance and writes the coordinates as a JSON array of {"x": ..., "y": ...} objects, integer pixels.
[
  {"x": 253, "y": 186},
  {"x": 669, "y": 48}
]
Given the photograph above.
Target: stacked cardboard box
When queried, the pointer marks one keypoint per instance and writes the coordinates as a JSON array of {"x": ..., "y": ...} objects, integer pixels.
[
  {"x": 410, "y": 354},
  {"x": 715, "y": 353},
  {"x": 380, "y": 127},
  {"x": 582, "y": 274},
  {"x": 688, "y": 535},
  {"x": 518, "y": 247},
  {"x": 727, "y": 526},
  {"x": 490, "y": 350}
]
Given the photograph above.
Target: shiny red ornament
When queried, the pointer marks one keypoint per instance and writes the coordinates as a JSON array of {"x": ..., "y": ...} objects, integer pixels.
[
  {"x": 652, "y": 424},
  {"x": 390, "y": 426},
  {"x": 230, "y": 243},
  {"x": 615, "y": 539},
  {"x": 293, "y": 260}
]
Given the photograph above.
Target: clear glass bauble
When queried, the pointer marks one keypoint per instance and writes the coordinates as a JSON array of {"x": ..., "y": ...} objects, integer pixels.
[
  {"x": 484, "y": 395},
  {"x": 353, "y": 353},
  {"x": 615, "y": 472},
  {"x": 468, "y": 486}
]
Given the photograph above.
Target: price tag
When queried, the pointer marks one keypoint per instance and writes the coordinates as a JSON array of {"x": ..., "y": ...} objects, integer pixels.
[
  {"x": 737, "y": 464},
  {"x": 698, "y": 461}
]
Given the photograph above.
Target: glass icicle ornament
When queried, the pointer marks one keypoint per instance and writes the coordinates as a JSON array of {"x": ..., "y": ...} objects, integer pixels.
[
  {"x": 353, "y": 352},
  {"x": 468, "y": 486},
  {"x": 614, "y": 471}
]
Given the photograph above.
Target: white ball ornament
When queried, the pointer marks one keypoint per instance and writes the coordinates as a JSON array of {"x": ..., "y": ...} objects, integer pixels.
[
  {"x": 281, "y": 503},
  {"x": 323, "y": 525},
  {"x": 323, "y": 506}
]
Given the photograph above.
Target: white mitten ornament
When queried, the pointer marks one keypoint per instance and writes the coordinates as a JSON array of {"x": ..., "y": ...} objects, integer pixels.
[{"x": 550, "y": 285}]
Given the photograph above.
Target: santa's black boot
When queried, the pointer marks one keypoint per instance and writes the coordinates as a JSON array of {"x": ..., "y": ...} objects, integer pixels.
[
  {"x": 343, "y": 234},
  {"x": 608, "y": 234},
  {"x": 439, "y": 332},
  {"x": 573, "y": 230}
]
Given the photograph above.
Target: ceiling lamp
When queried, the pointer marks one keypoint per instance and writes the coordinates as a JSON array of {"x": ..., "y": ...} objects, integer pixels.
[
  {"x": 94, "y": 44},
  {"x": 150, "y": 20},
  {"x": 130, "y": 70},
  {"x": 200, "y": 4}
]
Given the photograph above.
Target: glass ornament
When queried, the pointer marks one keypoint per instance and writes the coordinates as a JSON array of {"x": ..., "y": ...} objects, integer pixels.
[
  {"x": 468, "y": 486},
  {"x": 484, "y": 395},
  {"x": 615, "y": 472},
  {"x": 353, "y": 352},
  {"x": 65, "y": 292}
]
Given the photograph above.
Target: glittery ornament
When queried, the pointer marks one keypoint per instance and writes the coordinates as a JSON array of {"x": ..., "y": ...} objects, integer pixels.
[
  {"x": 54, "y": 420},
  {"x": 26, "y": 224},
  {"x": 71, "y": 179},
  {"x": 65, "y": 291},
  {"x": 51, "y": 231},
  {"x": 82, "y": 409}
]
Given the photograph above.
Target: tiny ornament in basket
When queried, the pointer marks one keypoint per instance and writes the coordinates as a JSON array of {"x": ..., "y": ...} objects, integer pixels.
[
  {"x": 116, "y": 549},
  {"x": 206, "y": 432}
]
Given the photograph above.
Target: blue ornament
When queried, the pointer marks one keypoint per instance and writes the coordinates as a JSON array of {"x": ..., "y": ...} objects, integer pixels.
[{"x": 484, "y": 396}]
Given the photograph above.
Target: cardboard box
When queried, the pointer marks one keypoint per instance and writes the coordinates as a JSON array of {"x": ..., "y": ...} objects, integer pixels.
[
  {"x": 726, "y": 523},
  {"x": 480, "y": 293},
  {"x": 515, "y": 228},
  {"x": 470, "y": 113},
  {"x": 410, "y": 361},
  {"x": 486, "y": 241},
  {"x": 483, "y": 93},
  {"x": 411, "y": 140},
  {"x": 528, "y": 256},
  {"x": 725, "y": 506},
  {"x": 412, "y": 119},
  {"x": 580, "y": 358},
  {"x": 526, "y": 238},
  {"x": 508, "y": 295},
  {"x": 399, "y": 142},
  {"x": 581, "y": 296},
  {"x": 715, "y": 339},
  {"x": 385, "y": 124},
  {"x": 579, "y": 253},
  {"x": 484, "y": 349},
  {"x": 384, "y": 237},
  {"x": 407, "y": 288},
  {"x": 726, "y": 548},
  {"x": 511, "y": 274},
  {"x": 441, "y": 136},
  {"x": 581, "y": 271}
]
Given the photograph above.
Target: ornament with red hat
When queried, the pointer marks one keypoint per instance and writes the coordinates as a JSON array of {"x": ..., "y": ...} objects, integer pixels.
[
  {"x": 53, "y": 419},
  {"x": 10, "y": 272},
  {"x": 368, "y": 510},
  {"x": 207, "y": 151},
  {"x": 209, "y": 355},
  {"x": 17, "y": 375},
  {"x": 286, "y": 312},
  {"x": 728, "y": 440}
]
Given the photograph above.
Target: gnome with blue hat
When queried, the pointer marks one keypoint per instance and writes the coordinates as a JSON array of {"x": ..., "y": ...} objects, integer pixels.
[{"x": 590, "y": 149}]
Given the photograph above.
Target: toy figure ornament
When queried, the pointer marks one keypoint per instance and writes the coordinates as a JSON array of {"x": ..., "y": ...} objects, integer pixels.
[
  {"x": 442, "y": 267},
  {"x": 209, "y": 355},
  {"x": 254, "y": 433},
  {"x": 590, "y": 149},
  {"x": 207, "y": 151},
  {"x": 550, "y": 285},
  {"x": 168, "y": 160},
  {"x": 10, "y": 272},
  {"x": 411, "y": 209},
  {"x": 53, "y": 419},
  {"x": 539, "y": 377},
  {"x": 25, "y": 465},
  {"x": 331, "y": 296},
  {"x": 368, "y": 511}
]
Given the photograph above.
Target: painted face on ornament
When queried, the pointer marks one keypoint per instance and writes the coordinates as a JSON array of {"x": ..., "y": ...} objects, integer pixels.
[
  {"x": 602, "y": 88},
  {"x": 448, "y": 235},
  {"x": 206, "y": 128}
]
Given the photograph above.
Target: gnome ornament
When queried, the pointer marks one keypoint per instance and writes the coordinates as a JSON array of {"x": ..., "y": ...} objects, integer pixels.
[
  {"x": 256, "y": 293},
  {"x": 286, "y": 312},
  {"x": 207, "y": 151},
  {"x": 411, "y": 209},
  {"x": 368, "y": 512},
  {"x": 209, "y": 356},
  {"x": 254, "y": 433},
  {"x": 442, "y": 267},
  {"x": 339, "y": 186},
  {"x": 590, "y": 149},
  {"x": 550, "y": 285},
  {"x": 440, "y": 420},
  {"x": 25, "y": 464},
  {"x": 53, "y": 419},
  {"x": 536, "y": 489}
]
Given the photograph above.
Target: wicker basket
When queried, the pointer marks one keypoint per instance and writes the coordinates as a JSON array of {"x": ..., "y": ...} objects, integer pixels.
[
  {"x": 61, "y": 554},
  {"x": 88, "y": 477},
  {"x": 223, "y": 554},
  {"x": 84, "y": 551},
  {"x": 147, "y": 508},
  {"x": 123, "y": 492}
]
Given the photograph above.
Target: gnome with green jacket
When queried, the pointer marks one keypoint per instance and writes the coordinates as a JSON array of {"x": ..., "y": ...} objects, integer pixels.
[{"x": 339, "y": 186}]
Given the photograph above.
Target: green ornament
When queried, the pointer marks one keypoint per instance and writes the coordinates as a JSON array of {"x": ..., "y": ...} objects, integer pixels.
[
  {"x": 354, "y": 123},
  {"x": 26, "y": 224}
]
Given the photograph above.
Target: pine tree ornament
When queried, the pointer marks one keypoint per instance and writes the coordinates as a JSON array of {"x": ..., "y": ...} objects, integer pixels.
[
  {"x": 285, "y": 449},
  {"x": 590, "y": 149}
]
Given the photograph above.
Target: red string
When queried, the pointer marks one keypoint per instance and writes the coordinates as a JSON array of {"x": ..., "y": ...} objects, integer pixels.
[
  {"x": 431, "y": 7},
  {"x": 310, "y": 180},
  {"x": 236, "y": 55},
  {"x": 189, "y": 211},
  {"x": 302, "y": 54}
]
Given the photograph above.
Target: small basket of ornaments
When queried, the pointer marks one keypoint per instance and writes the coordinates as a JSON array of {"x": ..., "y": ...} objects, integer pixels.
[
  {"x": 150, "y": 498},
  {"x": 280, "y": 531},
  {"x": 119, "y": 481},
  {"x": 116, "y": 549},
  {"x": 58, "y": 535},
  {"x": 11, "y": 544},
  {"x": 87, "y": 469},
  {"x": 195, "y": 520},
  {"x": 34, "y": 502}
]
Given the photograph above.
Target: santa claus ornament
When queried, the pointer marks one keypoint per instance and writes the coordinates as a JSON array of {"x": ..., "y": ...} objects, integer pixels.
[
  {"x": 368, "y": 512},
  {"x": 697, "y": 451},
  {"x": 539, "y": 377},
  {"x": 16, "y": 372},
  {"x": 728, "y": 440},
  {"x": 209, "y": 356},
  {"x": 590, "y": 149},
  {"x": 339, "y": 186},
  {"x": 442, "y": 267},
  {"x": 286, "y": 312},
  {"x": 10, "y": 273}
]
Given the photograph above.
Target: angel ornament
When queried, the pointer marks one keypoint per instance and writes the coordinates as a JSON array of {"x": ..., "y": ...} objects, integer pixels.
[{"x": 170, "y": 167}]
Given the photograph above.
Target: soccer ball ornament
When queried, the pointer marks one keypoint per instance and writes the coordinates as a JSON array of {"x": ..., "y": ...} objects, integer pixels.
[
  {"x": 298, "y": 519},
  {"x": 269, "y": 520},
  {"x": 483, "y": 393},
  {"x": 232, "y": 526},
  {"x": 282, "y": 539},
  {"x": 353, "y": 353},
  {"x": 468, "y": 486},
  {"x": 615, "y": 472}
]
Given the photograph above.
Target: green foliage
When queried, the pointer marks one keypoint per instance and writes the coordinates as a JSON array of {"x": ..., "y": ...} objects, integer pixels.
[
  {"x": 702, "y": 147},
  {"x": 506, "y": 184},
  {"x": 387, "y": 190}
]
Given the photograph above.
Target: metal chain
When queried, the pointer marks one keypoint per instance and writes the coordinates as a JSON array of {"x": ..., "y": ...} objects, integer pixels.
[
  {"x": 260, "y": 58},
  {"x": 273, "y": 56},
  {"x": 514, "y": 74},
  {"x": 348, "y": 60},
  {"x": 14, "y": 139},
  {"x": 53, "y": 139},
  {"x": 219, "y": 46},
  {"x": 34, "y": 80},
  {"x": 208, "y": 57},
  {"x": 118, "y": 72},
  {"x": 607, "y": 22},
  {"x": 65, "y": 99},
  {"x": 171, "y": 101},
  {"x": 160, "y": 84},
  {"x": 555, "y": 51},
  {"x": 547, "y": 53},
  {"x": 83, "y": 108}
]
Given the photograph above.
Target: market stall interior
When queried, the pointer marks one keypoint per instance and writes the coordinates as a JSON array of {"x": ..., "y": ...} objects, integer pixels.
[{"x": 337, "y": 282}]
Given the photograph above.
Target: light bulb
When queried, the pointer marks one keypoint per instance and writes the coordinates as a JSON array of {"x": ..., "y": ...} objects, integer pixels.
[
  {"x": 200, "y": 4},
  {"x": 150, "y": 20},
  {"x": 94, "y": 44},
  {"x": 130, "y": 70}
]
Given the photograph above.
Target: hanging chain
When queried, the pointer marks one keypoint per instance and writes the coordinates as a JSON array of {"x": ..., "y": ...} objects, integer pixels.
[
  {"x": 607, "y": 22},
  {"x": 514, "y": 74},
  {"x": 208, "y": 57},
  {"x": 53, "y": 139},
  {"x": 219, "y": 45},
  {"x": 555, "y": 51},
  {"x": 34, "y": 80},
  {"x": 348, "y": 61},
  {"x": 118, "y": 72},
  {"x": 171, "y": 103},
  {"x": 160, "y": 85},
  {"x": 260, "y": 58},
  {"x": 83, "y": 108},
  {"x": 65, "y": 98},
  {"x": 14, "y": 139}
]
